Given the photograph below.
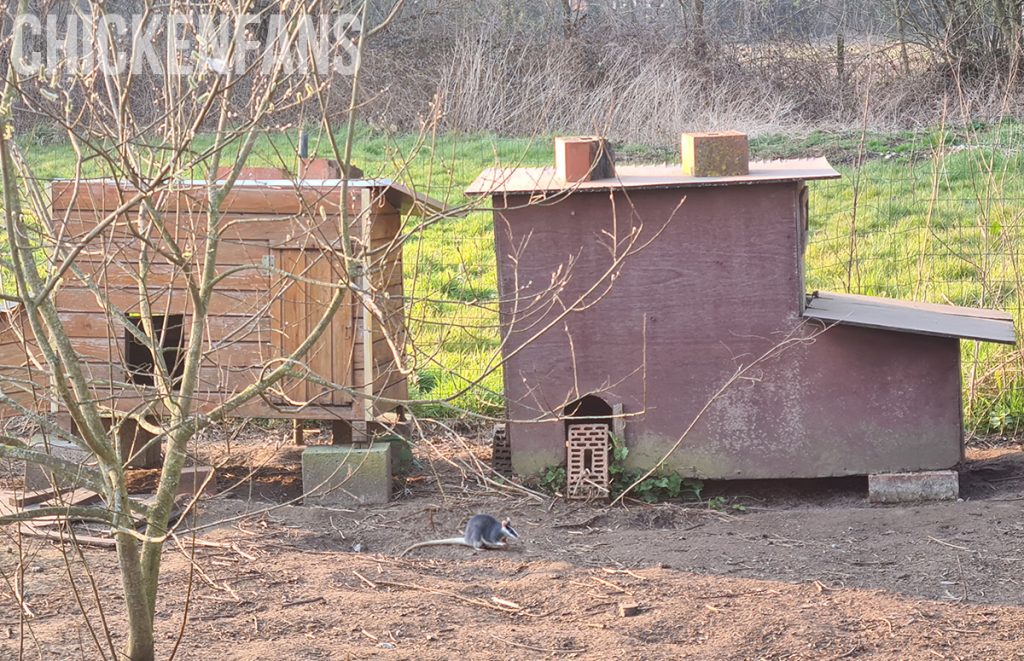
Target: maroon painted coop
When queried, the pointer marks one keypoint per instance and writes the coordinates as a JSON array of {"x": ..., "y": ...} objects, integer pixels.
[{"x": 848, "y": 385}]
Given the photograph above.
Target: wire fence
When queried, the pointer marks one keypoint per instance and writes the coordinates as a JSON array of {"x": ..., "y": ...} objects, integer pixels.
[{"x": 940, "y": 221}]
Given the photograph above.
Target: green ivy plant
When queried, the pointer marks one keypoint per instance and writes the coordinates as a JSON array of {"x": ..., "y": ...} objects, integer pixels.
[
  {"x": 554, "y": 480},
  {"x": 655, "y": 488}
]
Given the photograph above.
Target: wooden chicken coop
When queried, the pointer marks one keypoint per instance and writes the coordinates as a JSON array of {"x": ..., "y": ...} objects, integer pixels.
[
  {"x": 651, "y": 344},
  {"x": 278, "y": 255}
]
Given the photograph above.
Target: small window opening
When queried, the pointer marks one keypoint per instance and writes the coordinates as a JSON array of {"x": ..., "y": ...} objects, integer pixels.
[
  {"x": 169, "y": 337},
  {"x": 588, "y": 460}
]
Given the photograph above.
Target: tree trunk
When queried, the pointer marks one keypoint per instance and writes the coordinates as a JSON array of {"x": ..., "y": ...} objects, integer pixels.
[
  {"x": 700, "y": 37},
  {"x": 841, "y": 61},
  {"x": 901, "y": 28},
  {"x": 137, "y": 604}
]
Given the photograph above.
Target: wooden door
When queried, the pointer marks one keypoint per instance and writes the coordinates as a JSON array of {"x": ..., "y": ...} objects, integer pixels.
[{"x": 300, "y": 303}]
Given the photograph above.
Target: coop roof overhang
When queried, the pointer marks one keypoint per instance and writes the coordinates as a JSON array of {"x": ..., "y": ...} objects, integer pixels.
[
  {"x": 100, "y": 194},
  {"x": 912, "y": 317},
  {"x": 496, "y": 181}
]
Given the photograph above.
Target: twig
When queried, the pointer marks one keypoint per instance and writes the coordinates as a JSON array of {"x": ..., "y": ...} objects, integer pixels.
[
  {"x": 724, "y": 595},
  {"x": 506, "y": 602},
  {"x": 963, "y": 579},
  {"x": 952, "y": 546},
  {"x": 456, "y": 595},
  {"x": 611, "y": 585},
  {"x": 220, "y": 545},
  {"x": 369, "y": 583},
  {"x": 630, "y": 572},
  {"x": 80, "y": 540},
  {"x": 546, "y": 650},
  {"x": 300, "y": 602}
]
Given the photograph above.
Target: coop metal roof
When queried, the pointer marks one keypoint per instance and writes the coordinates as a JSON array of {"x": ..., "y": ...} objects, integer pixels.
[
  {"x": 912, "y": 317},
  {"x": 540, "y": 180}
]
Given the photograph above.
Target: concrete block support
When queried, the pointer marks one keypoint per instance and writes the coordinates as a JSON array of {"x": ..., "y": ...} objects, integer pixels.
[
  {"x": 401, "y": 453},
  {"x": 913, "y": 487},
  {"x": 345, "y": 475},
  {"x": 198, "y": 478},
  {"x": 40, "y": 477},
  {"x": 132, "y": 439}
]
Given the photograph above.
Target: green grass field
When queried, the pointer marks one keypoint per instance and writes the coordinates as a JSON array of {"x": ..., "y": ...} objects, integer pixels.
[{"x": 932, "y": 215}]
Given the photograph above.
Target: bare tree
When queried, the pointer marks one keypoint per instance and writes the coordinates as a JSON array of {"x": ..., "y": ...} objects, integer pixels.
[
  {"x": 145, "y": 244},
  {"x": 201, "y": 125}
]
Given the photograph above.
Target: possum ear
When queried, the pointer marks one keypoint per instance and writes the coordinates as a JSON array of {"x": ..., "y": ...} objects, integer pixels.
[{"x": 506, "y": 523}]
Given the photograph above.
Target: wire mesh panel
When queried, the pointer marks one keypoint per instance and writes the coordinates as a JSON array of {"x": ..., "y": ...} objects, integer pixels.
[
  {"x": 937, "y": 219},
  {"x": 587, "y": 473}
]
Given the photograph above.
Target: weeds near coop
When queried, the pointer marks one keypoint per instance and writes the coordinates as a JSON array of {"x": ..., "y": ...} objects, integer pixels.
[{"x": 656, "y": 488}]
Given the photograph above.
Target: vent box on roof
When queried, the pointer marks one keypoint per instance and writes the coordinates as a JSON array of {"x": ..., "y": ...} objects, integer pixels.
[{"x": 718, "y": 154}]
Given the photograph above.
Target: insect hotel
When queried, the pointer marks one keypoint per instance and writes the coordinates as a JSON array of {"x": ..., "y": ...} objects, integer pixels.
[
  {"x": 682, "y": 326},
  {"x": 278, "y": 257}
]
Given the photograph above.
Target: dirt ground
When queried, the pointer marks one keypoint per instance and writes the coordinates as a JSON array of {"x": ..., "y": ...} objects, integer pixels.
[{"x": 809, "y": 570}]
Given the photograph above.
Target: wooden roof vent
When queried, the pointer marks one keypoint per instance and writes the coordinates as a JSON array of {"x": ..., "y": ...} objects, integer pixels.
[
  {"x": 583, "y": 159},
  {"x": 718, "y": 154}
]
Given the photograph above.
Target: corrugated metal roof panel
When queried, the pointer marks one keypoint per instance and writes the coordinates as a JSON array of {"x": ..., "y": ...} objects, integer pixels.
[
  {"x": 911, "y": 317},
  {"x": 536, "y": 180}
]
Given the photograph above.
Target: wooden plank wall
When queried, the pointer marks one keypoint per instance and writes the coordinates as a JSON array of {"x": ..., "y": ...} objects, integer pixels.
[
  {"x": 298, "y": 308},
  {"x": 243, "y": 334},
  {"x": 20, "y": 381},
  {"x": 386, "y": 276}
]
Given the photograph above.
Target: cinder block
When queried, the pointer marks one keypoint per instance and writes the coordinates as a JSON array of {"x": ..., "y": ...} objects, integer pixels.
[
  {"x": 583, "y": 159},
  {"x": 501, "y": 451},
  {"x": 345, "y": 475},
  {"x": 193, "y": 478},
  {"x": 401, "y": 453},
  {"x": 132, "y": 439},
  {"x": 40, "y": 477},
  {"x": 913, "y": 487},
  {"x": 718, "y": 154}
]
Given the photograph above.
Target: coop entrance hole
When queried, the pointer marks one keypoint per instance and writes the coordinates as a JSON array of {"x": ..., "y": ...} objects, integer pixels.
[
  {"x": 169, "y": 331},
  {"x": 588, "y": 410}
]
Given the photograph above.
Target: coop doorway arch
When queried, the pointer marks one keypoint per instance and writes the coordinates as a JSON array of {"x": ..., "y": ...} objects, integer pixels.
[{"x": 590, "y": 410}]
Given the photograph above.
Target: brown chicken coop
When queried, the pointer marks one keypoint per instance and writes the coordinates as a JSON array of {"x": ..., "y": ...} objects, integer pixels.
[
  {"x": 277, "y": 254},
  {"x": 650, "y": 343}
]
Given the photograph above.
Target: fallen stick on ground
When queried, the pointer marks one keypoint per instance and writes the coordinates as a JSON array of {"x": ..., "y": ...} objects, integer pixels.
[
  {"x": 369, "y": 583},
  {"x": 81, "y": 540},
  {"x": 456, "y": 595},
  {"x": 611, "y": 585},
  {"x": 546, "y": 650},
  {"x": 301, "y": 602},
  {"x": 609, "y": 570}
]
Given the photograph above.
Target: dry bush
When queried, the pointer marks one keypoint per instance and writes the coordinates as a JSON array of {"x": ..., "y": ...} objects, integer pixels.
[{"x": 640, "y": 70}]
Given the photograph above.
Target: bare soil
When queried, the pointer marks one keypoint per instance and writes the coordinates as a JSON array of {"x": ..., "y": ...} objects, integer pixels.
[{"x": 809, "y": 570}]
